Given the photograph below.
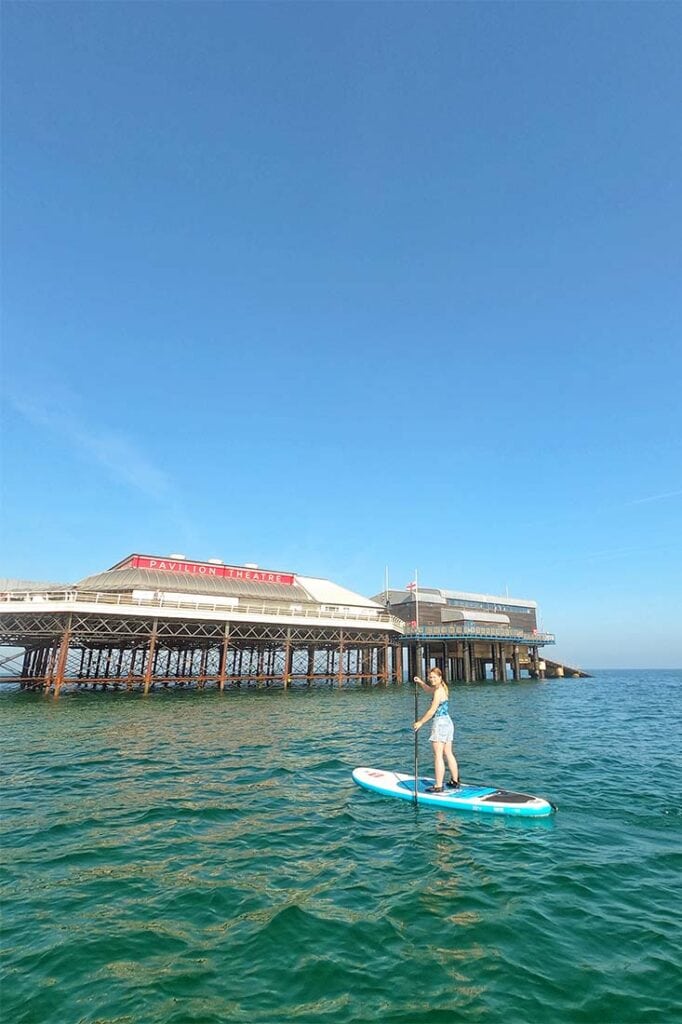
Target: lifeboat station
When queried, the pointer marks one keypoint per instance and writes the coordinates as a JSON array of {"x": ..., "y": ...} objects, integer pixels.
[
  {"x": 154, "y": 621},
  {"x": 473, "y": 637}
]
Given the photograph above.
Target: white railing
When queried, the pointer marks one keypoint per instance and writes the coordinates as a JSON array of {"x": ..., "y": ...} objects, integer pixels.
[
  {"x": 272, "y": 610},
  {"x": 242, "y": 610},
  {"x": 494, "y": 632}
]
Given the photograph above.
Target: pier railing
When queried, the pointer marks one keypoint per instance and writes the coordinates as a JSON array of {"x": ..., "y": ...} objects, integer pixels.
[
  {"x": 241, "y": 610},
  {"x": 478, "y": 632},
  {"x": 277, "y": 611}
]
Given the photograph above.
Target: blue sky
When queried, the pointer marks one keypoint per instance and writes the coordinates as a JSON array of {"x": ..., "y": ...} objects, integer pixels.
[{"x": 330, "y": 287}]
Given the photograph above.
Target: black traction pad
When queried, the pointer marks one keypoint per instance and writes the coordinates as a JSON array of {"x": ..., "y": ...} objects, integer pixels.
[{"x": 503, "y": 796}]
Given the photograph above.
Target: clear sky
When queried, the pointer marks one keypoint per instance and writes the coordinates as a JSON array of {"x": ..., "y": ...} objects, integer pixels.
[{"x": 335, "y": 286}]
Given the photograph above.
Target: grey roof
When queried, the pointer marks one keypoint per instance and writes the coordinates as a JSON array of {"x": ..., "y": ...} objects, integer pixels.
[
  {"x": 7, "y": 584},
  {"x": 394, "y": 596},
  {"x": 435, "y": 595},
  {"x": 404, "y": 596},
  {"x": 187, "y": 583}
]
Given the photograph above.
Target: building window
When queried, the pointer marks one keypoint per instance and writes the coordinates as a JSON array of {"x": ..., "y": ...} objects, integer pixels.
[{"x": 490, "y": 606}]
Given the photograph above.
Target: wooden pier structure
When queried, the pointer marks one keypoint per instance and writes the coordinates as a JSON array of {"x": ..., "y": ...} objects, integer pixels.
[{"x": 152, "y": 622}]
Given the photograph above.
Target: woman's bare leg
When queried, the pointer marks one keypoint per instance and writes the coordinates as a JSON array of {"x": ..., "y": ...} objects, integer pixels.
[
  {"x": 438, "y": 762},
  {"x": 452, "y": 761}
]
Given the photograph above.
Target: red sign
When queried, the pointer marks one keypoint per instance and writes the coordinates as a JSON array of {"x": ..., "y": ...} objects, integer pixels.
[{"x": 230, "y": 572}]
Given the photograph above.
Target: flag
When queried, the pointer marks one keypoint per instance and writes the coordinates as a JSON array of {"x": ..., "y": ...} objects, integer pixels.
[{"x": 412, "y": 585}]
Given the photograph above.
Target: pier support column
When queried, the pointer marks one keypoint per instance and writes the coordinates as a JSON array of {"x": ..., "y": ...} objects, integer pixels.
[
  {"x": 467, "y": 659},
  {"x": 49, "y": 668},
  {"x": 222, "y": 664},
  {"x": 40, "y": 662},
  {"x": 150, "y": 657},
  {"x": 380, "y": 664},
  {"x": 48, "y": 665},
  {"x": 384, "y": 665},
  {"x": 535, "y": 669},
  {"x": 339, "y": 674},
  {"x": 61, "y": 660},
  {"x": 459, "y": 662},
  {"x": 26, "y": 662},
  {"x": 203, "y": 658},
  {"x": 501, "y": 663},
  {"x": 288, "y": 658},
  {"x": 516, "y": 663},
  {"x": 129, "y": 677},
  {"x": 396, "y": 674}
]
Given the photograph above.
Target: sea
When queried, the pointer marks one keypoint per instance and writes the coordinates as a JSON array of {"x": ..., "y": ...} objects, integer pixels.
[{"x": 206, "y": 857}]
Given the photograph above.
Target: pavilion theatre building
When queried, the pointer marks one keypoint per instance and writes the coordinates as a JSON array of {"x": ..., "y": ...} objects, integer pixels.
[{"x": 154, "y": 621}]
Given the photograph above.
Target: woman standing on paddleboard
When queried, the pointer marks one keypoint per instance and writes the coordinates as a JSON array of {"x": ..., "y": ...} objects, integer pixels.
[{"x": 442, "y": 731}]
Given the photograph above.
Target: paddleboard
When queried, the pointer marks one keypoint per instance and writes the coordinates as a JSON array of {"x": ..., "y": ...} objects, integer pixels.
[{"x": 484, "y": 799}]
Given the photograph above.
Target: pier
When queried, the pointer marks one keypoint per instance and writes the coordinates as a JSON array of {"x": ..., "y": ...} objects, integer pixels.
[{"x": 152, "y": 622}]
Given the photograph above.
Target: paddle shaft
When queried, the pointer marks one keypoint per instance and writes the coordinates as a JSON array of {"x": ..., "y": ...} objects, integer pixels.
[{"x": 416, "y": 745}]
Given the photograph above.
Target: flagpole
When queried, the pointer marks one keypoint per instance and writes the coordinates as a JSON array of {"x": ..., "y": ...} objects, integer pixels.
[
  {"x": 386, "y": 586},
  {"x": 416, "y": 597}
]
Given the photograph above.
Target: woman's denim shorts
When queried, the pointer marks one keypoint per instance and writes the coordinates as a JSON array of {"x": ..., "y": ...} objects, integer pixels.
[{"x": 443, "y": 730}]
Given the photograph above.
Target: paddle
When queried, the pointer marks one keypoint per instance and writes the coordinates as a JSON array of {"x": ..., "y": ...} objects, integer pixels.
[{"x": 416, "y": 746}]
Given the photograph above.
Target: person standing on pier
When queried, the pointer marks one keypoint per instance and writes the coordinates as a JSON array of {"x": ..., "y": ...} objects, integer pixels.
[{"x": 442, "y": 730}]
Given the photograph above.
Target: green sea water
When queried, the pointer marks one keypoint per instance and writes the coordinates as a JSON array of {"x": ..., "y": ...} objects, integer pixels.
[{"x": 205, "y": 857}]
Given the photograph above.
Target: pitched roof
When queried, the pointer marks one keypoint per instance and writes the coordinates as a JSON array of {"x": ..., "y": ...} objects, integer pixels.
[
  {"x": 158, "y": 579},
  {"x": 7, "y": 584}
]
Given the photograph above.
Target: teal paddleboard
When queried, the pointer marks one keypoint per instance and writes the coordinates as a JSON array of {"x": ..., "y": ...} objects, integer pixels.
[{"x": 483, "y": 799}]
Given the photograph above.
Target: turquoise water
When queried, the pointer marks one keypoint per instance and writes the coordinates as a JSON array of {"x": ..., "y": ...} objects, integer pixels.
[{"x": 205, "y": 857}]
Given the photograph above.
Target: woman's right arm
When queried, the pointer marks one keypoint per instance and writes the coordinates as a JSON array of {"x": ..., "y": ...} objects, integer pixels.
[
  {"x": 429, "y": 714},
  {"x": 424, "y": 686}
]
